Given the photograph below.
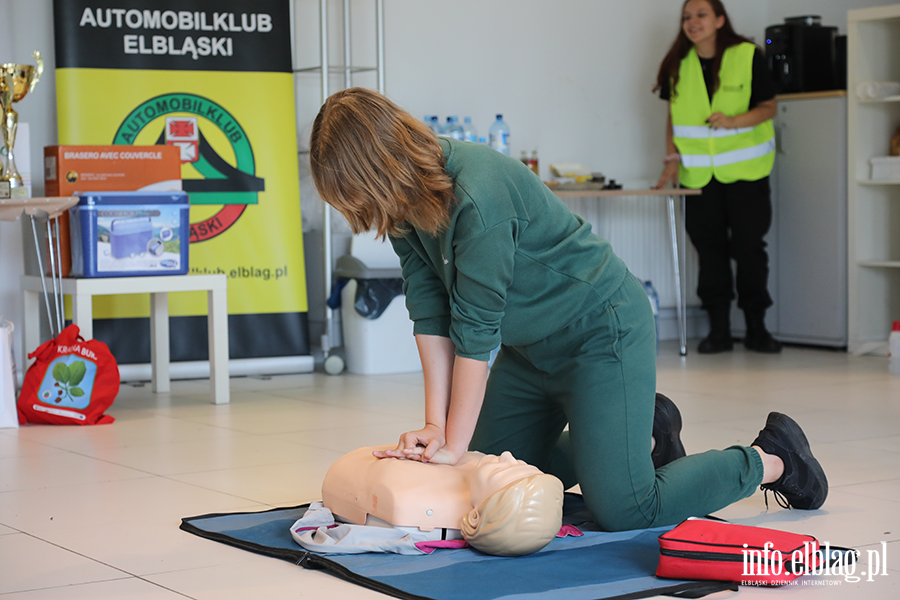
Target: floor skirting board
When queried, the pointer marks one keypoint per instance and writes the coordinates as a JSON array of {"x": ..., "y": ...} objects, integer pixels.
[{"x": 278, "y": 365}]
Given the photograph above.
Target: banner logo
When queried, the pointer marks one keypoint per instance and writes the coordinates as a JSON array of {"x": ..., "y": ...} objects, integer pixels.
[
  {"x": 181, "y": 119},
  {"x": 183, "y": 133}
]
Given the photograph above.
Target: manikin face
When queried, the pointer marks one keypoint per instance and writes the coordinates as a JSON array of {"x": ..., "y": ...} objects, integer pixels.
[
  {"x": 700, "y": 23},
  {"x": 493, "y": 473}
]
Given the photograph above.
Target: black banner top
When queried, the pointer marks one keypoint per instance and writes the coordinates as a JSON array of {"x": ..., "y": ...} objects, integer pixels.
[{"x": 186, "y": 35}]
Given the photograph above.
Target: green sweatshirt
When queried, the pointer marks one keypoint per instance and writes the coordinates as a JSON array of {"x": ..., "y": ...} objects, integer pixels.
[{"x": 514, "y": 264}]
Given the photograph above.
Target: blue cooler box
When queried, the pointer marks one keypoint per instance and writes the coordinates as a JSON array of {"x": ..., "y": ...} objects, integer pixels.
[{"x": 127, "y": 234}]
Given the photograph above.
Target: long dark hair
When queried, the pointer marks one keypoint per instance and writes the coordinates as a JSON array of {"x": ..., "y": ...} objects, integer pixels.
[{"x": 726, "y": 37}]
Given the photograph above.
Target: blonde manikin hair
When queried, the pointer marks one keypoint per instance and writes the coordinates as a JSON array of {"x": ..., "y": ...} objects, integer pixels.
[
  {"x": 521, "y": 518},
  {"x": 379, "y": 166}
]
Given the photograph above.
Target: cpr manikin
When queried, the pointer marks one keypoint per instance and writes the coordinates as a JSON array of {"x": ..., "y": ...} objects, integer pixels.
[{"x": 501, "y": 505}]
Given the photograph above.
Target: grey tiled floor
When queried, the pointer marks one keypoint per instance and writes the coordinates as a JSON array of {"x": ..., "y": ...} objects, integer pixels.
[{"x": 94, "y": 512}]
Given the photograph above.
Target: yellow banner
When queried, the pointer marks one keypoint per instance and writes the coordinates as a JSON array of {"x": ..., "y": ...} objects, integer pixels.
[{"x": 244, "y": 124}]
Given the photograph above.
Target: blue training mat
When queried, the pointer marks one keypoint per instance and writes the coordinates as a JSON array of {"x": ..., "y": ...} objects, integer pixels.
[{"x": 599, "y": 565}]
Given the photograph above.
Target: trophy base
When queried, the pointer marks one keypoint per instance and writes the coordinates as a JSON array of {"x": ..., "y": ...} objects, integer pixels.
[{"x": 9, "y": 189}]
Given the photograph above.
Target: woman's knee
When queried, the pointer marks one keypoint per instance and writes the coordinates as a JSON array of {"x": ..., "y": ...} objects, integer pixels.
[{"x": 621, "y": 517}]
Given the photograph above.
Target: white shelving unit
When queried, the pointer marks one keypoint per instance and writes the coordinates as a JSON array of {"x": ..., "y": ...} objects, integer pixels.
[{"x": 873, "y": 219}]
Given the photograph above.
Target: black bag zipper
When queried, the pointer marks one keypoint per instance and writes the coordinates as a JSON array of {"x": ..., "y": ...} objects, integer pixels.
[{"x": 709, "y": 556}]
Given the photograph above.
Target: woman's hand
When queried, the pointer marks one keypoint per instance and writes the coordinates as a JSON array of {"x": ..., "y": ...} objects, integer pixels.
[
  {"x": 443, "y": 456},
  {"x": 669, "y": 175},
  {"x": 417, "y": 445},
  {"x": 721, "y": 121}
]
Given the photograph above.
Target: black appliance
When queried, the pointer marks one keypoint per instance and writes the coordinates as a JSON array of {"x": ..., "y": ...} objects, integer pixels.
[{"x": 802, "y": 55}]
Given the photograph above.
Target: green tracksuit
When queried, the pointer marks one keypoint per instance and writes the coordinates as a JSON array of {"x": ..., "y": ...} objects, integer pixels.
[{"x": 516, "y": 267}]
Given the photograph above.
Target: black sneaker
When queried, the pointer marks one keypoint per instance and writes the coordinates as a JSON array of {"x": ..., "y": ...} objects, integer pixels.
[
  {"x": 666, "y": 432},
  {"x": 803, "y": 484}
]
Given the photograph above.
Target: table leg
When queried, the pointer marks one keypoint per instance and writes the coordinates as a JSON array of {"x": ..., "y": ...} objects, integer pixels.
[
  {"x": 217, "y": 320},
  {"x": 679, "y": 277},
  {"x": 682, "y": 244},
  {"x": 37, "y": 249},
  {"x": 57, "y": 286},
  {"x": 83, "y": 314},
  {"x": 159, "y": 342}
]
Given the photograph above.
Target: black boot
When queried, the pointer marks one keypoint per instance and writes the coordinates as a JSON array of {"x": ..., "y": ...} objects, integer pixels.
[
  {"x": 758, "y": 337},
  {"x": 719, "y": 338},
  {"x": 666, "y": 432}
]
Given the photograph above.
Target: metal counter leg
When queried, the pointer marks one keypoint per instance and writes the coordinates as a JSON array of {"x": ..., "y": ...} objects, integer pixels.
[
  {"x": 37, "y": 249},
  {"x": 677, "y": 256}
]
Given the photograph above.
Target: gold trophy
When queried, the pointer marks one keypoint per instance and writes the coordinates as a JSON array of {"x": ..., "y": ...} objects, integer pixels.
[{"x": 15, "y": 82}]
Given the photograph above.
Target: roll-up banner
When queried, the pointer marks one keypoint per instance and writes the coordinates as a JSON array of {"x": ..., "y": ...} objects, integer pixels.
[{"x": 212, "y": 77}]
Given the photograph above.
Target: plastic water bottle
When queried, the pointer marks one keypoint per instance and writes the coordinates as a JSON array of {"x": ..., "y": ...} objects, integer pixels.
[
  {"x": 431, "y": 121},
  {"x": 436, "y": 126},
  {"x": 453, "y": 128},
  {"x": 470, "y": 134},
  {"x": 654, "y": 304},
  {"x": 499, "y": 136},
  {"x": 894, "y": 343}
]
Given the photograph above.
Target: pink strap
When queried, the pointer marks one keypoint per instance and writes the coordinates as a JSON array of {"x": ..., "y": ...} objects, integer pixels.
[
  {"x": 299, "y": 529},
  {"x": 567, "y": 530},
  {"x": 429, "y": 547}
]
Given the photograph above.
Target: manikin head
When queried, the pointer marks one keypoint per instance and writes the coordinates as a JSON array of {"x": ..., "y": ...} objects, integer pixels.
[
  {"x": 521, "y": 518},
  {"x": 492, "y": 473}
]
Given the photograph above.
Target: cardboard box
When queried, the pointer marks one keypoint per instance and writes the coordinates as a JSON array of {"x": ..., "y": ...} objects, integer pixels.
[
  {"x": 72, "y": 169},
  {"x": 127, "y": 234}
]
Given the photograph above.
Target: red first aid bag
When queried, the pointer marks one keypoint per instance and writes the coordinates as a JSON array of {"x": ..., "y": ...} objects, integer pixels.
[
  {"x": 72, "y": 382},
  {"x": 708, "y": 549}
]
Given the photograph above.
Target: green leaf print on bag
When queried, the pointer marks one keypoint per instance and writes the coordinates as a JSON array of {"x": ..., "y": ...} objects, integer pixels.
[
  {"x": 69, "y": 382},
  {"x": 67, "y": 378}
]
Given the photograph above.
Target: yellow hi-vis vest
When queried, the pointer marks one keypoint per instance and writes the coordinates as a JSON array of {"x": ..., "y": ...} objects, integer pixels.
[{"x": 729, "y": 155}]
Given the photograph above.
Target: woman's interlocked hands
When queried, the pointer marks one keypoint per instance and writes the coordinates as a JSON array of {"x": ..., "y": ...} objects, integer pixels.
[{"x": 425, "y": 445}]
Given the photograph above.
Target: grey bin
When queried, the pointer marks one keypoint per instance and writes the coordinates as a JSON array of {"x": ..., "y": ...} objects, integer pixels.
[{"x": 383, "y": 344}]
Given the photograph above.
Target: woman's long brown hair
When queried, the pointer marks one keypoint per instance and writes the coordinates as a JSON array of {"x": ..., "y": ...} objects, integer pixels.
[
  {"x": 378, "y": 165},
  {"x": 726, "y": 37}
]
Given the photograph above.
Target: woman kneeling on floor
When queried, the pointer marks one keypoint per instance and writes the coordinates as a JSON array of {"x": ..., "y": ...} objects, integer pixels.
[{"x": 491, "y": 257}]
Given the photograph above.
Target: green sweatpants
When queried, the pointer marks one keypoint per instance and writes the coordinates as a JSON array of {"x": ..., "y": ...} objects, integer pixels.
[{"x": 598, "y": 375}]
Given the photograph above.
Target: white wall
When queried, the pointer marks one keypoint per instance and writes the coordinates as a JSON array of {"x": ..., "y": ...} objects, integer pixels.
[
  {"x": 572, "y": 77},
  {"x": 25, "y": 26},
  {"x": 833, "y": 12}
]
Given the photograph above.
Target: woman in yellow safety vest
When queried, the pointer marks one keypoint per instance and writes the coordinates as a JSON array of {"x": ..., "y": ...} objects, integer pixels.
[{"x": 719, "y": 137}]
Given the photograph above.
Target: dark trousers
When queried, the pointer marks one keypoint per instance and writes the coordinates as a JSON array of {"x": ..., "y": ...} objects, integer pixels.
[
  {"x": 728, "y": 222},
  {"x": 598, "y": 375}
]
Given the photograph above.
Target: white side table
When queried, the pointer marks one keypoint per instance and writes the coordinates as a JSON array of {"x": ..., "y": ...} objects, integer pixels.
[{"x": 82, "y": 292}]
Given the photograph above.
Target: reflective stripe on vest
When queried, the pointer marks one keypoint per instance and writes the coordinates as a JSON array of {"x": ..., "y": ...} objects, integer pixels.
[
  {"x": 727, "y": 158},
  {"x": 702, "y": 132},
  {"x": 728, "y": 155}
]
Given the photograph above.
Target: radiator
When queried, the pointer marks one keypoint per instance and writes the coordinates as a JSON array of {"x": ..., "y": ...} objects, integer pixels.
[{"x": 638, "y": 229}]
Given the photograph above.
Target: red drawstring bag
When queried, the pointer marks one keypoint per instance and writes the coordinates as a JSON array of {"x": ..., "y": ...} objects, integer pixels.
[{"x": 72, "y": 382}]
